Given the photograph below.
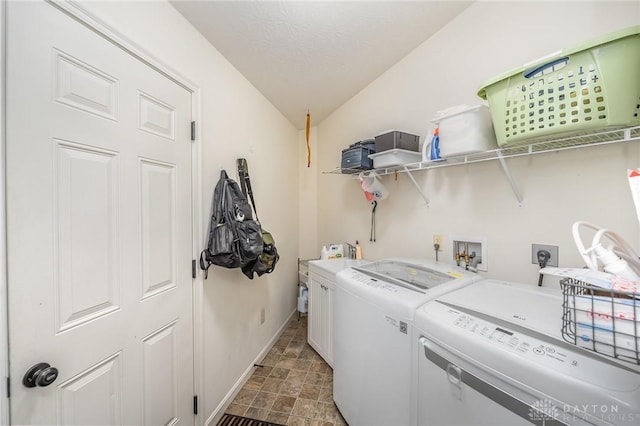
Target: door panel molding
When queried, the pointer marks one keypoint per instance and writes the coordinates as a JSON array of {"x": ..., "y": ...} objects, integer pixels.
[
  {"x": 86, "y": 286},
  {"x": 103, "y": 378},
  {"x": 160, "y": 366},
  {"x": 158, "y": 268},
  {"x": 79, "y": 85}
]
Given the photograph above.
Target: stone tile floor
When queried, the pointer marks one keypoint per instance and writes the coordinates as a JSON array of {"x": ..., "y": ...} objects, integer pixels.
[{"x": 295, "y": 386}]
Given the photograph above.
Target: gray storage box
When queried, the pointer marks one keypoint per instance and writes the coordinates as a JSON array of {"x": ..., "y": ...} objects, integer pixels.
[
  {"x": 356, "y": 157},
  {"x": 397, "y": 140}
]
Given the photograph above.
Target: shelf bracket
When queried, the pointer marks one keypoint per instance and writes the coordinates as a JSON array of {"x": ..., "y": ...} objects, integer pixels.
[
  {"x": 512, "y": 182},
  {"x": 424, "y": 197}
]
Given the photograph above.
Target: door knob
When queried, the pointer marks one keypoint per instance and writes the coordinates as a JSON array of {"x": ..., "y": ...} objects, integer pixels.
[{"x": 41, "y": 374}]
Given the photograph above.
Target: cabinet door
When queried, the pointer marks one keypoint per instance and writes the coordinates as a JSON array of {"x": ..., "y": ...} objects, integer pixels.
[
  {"x": 315, "y": 321},
  {"x": 327, "y": 305}
]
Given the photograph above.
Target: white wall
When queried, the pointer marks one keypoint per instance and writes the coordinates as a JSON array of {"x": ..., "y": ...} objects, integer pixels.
[
  {"x": 308, "y": 183},
  {"x": 487, "y": 39},
  {"x": 237, "y": 121}
]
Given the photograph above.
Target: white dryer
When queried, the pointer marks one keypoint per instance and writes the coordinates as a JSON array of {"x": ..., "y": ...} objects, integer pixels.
[
  {"x": 373, "y": 333},
  {"x": 492, "y": 354}
]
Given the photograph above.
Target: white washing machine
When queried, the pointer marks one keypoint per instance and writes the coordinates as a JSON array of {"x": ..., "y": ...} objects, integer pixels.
[
  {"x": 373, "y": 333},
  {"x": 492, "y": 354}
]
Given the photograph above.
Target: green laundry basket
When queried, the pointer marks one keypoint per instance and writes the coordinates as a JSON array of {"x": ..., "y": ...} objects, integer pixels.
[{"x": 592, "y": 86}]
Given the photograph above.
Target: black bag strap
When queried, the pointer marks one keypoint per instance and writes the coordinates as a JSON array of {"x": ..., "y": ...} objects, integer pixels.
[
  {"x": 245, "y": 182},
  {"x": 219, "y": 212},
  {"x": 205, "y": 264}
]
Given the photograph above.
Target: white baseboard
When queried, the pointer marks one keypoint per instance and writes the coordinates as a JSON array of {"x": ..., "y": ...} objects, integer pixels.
[{"x": 216, "y": 415}]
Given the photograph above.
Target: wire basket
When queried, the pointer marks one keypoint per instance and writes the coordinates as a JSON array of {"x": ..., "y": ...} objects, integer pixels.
[
  {"x": 601, "y": 320},
  {"x": 591, "y": 86}
]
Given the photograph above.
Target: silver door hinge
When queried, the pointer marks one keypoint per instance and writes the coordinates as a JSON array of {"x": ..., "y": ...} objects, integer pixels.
[{"x": 193, "y": 130}]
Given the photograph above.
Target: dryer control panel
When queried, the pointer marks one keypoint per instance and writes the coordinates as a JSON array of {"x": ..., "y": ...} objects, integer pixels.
[
  {"x": 514, "y": 341},
  {"x": 374, "y": 282},
  {"x": 534, "y": 347}
]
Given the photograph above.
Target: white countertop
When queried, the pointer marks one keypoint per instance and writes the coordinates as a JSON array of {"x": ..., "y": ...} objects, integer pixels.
[{"x": 336, "y": 265}]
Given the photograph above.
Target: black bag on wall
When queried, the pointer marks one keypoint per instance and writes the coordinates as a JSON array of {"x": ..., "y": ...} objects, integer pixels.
[{"x": 235, "y": 238}]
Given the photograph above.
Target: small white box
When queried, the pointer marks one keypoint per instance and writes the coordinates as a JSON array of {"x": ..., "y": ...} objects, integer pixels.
[
  {"x": 394, "y": 157},
  {"x": 465, "y": 130}
]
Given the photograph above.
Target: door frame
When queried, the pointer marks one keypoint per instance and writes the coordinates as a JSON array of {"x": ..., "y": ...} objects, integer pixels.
[
  {"x": 4, "y": 326},
  {"x": 94, "y": 23}
]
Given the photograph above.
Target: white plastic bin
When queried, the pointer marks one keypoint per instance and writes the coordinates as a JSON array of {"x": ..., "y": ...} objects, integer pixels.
[
  {"x": 465, "y": 130},
  {"x": 395, "y": 157}
]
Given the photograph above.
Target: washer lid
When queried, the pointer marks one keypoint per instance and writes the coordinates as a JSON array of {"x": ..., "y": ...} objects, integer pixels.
[
  {"x": 392, "y": 285},
  {"x": 412, "y": 276}
]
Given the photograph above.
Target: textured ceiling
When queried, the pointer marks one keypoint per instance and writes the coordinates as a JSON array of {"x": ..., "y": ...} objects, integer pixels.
[{"x": 315, "y": 55}]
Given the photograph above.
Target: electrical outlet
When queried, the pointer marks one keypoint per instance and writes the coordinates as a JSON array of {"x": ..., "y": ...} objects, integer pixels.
[
  {"x": 437, "y": 239},
  {"x": 552, "y": 250},
  {"x": 470, "y": 253},
  {"x": 262, "y": 315}
]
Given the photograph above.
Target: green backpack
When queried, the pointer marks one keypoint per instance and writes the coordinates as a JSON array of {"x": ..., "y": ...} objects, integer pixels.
[{"x": 266, "y": 261}]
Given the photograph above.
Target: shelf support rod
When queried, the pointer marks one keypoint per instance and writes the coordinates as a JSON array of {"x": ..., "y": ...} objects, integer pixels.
[
  {"x": 512, "y": 182},
  {"x": 424, "y": 197}
]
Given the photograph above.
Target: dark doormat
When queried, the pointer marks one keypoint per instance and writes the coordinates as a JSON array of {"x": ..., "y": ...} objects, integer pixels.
[{"x": 233, "y": 420}]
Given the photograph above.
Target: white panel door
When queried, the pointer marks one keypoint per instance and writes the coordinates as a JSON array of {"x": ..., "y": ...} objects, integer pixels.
[{"x": 99, "y": 228}]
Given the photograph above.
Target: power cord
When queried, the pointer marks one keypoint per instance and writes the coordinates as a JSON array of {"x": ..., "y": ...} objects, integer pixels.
[
  {"x": 436, "y": 247},
  {"x": 543, "y": 258},
  {"x": 593, "y": 257}
]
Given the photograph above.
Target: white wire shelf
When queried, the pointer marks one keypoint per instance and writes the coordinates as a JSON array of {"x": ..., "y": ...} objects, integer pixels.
[
  {"x": 599, "y": 138},
  {"x": 587, "y": 139}
]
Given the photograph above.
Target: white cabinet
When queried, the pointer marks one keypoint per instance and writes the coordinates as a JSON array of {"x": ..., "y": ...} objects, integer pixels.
[
  {"x": 320, "y": 326},
  {"x": 321, "y": 284}
]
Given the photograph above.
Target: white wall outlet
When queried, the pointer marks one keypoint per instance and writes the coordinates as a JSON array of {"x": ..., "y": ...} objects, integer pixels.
[
  {"x": 470, "y": 253},
  {"x": 552, "y": 250},
  {"x": 262, "y": 315}
]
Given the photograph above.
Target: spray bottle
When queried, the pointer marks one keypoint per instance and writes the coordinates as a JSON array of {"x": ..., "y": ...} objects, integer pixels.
[
  {"x": 324, "y": 253},
  {"x": 435, "y": 145}
]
